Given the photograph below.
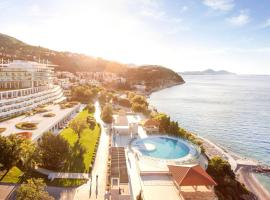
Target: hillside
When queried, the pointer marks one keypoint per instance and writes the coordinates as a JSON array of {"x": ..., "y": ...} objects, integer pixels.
[
  {"x": 154, "y": 76},
  {"x": 207, "y": 72},
  {"x": 11, "y": 48}
]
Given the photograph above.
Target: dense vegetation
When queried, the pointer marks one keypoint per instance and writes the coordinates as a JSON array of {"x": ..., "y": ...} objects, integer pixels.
[
  {"x": 153, "y": 75},
  {"x": 16, "y": 151},
  {"x": 106, "y": 114},
  {"x": 33, "y": 189},
  {"x": 171, "y": 127},
  {"x": 138, "y": 103},
  {"x": 228, "y": 188},
  {"x": 54, "y": 151},
  {"x": 84, "y": 93}
]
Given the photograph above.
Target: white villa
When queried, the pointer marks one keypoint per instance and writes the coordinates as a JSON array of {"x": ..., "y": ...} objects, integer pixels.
[
  {"x": 124, "y": 125},
  {"x": 25, "y": 85}
]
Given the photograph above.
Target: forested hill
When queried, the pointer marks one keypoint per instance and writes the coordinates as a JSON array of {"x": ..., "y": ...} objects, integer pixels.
[
  {"x": 154, "y": 75},
  {"x": 11, "y": 48}
]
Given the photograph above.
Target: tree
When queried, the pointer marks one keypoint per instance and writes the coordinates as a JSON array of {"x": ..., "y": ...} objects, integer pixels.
[
  {"x": 54, "y": 151},
  {"x": 84, "y": 93},
  {"x": 140, "y": 100},
  {"x": 164, "y": 121},
  {"x": 102, "y": 98},
  {"x": 106, "y": 114},
  {"x": 34, "y": 189},
  {"x": 92, "y": 122},
  {"x": 227, "y": 186},
  {"x": 13, "y": 150},
  {"x": 78, "y": 126},
  {"x": 31, "y": 156},
  {"x": 90, "y": 107}
]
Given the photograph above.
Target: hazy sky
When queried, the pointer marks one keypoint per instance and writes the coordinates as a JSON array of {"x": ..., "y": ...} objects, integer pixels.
[{"x": 180, "y": 34}]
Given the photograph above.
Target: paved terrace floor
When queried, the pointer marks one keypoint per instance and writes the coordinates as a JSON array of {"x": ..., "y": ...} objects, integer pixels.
[{"x": 43, "y": 122}]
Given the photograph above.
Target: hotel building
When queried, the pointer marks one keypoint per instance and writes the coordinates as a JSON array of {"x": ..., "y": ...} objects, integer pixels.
[{"x": 25, "y": 85}]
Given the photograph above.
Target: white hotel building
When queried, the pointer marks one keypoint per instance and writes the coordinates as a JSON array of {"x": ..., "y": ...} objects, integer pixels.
[{"x": 24, "y": 85}]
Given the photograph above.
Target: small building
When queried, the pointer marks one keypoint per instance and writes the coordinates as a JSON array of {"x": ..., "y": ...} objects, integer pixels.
[
  {"x": 122, "y": 125},
  {"x": 193, "y": 182},
  {"x": 119, "y": 175},
  {"x": 151, "y": 126}
]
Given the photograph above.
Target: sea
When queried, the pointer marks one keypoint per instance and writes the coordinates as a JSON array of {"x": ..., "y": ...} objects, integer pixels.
[{"x": 232, "y": 111}]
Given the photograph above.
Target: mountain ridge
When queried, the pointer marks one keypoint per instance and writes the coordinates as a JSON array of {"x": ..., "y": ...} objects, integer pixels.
[{"x": 207, "y": 72}]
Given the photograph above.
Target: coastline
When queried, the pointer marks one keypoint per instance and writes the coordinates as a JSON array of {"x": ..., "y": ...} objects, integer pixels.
[
  {"x": 148, "y": 93},
  {"x": 242, "y": 167}
]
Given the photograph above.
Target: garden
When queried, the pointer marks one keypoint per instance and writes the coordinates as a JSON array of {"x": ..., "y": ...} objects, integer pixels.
[
  {"x": 84, "y": 145},
  {"x": 49, "y": 115},
  {"x": 26, "y": 126}
]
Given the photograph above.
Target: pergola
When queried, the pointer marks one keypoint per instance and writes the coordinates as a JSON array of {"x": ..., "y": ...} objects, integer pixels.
[{"x": 193, "y": 175}]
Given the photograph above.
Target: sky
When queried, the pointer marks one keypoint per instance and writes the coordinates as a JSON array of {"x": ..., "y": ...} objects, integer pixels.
[{"x": 183, "y": 35}]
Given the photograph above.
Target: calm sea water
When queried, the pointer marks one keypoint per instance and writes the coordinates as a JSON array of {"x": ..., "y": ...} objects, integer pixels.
[{"x": 232, "y": 111}]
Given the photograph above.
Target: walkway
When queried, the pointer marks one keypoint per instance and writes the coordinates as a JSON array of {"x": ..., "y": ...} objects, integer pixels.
[
  {"x": 100, "y": 167},
  {"x": 53, "y": 175}
]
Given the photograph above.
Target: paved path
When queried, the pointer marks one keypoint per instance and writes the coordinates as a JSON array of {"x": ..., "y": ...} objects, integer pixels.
[
  {"x": 100, "y": 167},
  {"x": 52, "y": 175}
]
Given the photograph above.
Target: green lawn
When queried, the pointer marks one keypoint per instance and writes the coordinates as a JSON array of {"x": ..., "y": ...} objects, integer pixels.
[
  {"x": 88, "y": 140},
  {"x": 13, "y": 176}
]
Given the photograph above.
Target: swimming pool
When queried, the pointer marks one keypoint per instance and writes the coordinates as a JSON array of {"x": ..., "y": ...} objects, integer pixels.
[{"x": 163, "y": 147}]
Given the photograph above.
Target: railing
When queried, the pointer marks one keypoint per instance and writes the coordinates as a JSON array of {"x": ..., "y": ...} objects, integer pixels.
[{"x": 32, "y": 104}]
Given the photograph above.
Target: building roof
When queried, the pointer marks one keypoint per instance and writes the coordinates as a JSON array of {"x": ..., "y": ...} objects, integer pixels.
[
  {"x": 191, "y": 175},
  {"x": 151, "y": 122},
  {"x": 118, "y": 164},
  {"x": 121, "y": 119}
]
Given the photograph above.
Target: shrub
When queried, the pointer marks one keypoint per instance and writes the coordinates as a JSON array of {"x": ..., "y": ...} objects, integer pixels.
[
  {"x": 33, "y": 189},
  {"x": 40, "y": 110},
  {"x": 49, "y": 115},
  {"x": 106, "y": 114},
  {"x": 90, "y": 107},
  {"x": 26, "y": 126}
]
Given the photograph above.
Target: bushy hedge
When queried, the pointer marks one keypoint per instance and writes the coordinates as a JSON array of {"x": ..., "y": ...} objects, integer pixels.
[
  {"x": 49, "y": 115},
  {"x": 26, "y": 126}
]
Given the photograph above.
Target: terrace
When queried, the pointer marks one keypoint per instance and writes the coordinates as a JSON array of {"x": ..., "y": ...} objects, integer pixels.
[{"x": 53, "y": 124}]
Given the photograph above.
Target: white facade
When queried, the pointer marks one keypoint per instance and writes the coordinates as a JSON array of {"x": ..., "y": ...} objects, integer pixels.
[
  {"x": 24, "y": 85},
  {"x": 24, "y": 74}
]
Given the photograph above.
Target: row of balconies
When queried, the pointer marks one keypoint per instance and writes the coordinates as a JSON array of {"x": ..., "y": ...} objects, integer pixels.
[
  {"x": 23, "y": 109},
  {"x": 27, "y": 103},
  {"x": 19, "y": 99}
]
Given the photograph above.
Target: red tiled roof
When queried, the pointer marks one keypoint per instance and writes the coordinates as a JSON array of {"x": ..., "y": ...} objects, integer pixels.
[
  {"x": 191, "y": 175},
  {"x": 151, "y": 122}
]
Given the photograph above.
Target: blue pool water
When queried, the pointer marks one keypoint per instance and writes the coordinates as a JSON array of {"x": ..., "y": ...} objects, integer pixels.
[{"x": 165, "y": 148}]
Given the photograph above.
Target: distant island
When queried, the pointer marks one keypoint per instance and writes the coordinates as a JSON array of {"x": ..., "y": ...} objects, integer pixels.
[{"x": 207, "y": 72}]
